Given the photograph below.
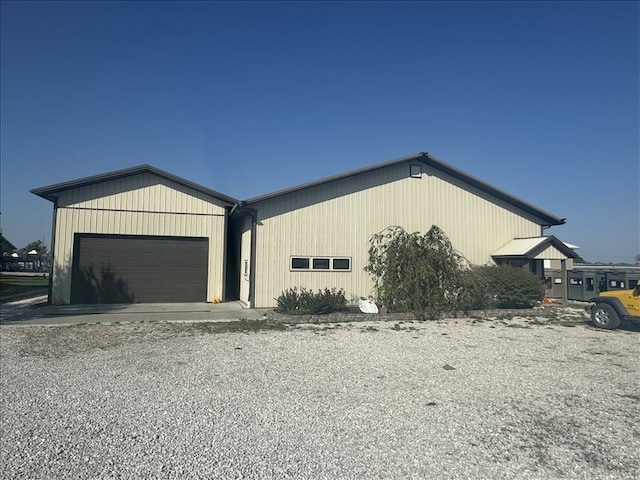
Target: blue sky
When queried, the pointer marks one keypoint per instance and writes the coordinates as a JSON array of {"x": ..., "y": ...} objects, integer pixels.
[{"x": 538, "y": 98}]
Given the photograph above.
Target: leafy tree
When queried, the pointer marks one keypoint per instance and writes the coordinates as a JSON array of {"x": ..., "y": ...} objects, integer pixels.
[
  {"x": 413, "y": 272},
  {"x": 42, "y": 255},
  {"x": 38, "y": 246}
]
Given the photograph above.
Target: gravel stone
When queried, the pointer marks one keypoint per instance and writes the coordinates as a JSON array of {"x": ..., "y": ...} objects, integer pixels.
[{"x": 458, "y": 398}]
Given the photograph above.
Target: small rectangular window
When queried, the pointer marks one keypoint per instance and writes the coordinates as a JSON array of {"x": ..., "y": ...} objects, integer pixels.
[
  {"x": 557, "y": 280},
  {"x": 299, "y": 263},
  {"x": 321, "y": 264},
  {"x": 342, "y": 264},
  {"x": 575, "y": 281},
  {"x": 590, "y": 285},
  {"x": 415, "y": 171}
]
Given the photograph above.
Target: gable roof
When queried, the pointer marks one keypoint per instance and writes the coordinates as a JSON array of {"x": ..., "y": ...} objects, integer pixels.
[
  {"x": 546, "y": 218},
  {"x": 5, "y": 245},
  {"x": 534, "y": 247},
  {"x": 50, "y": 192}
]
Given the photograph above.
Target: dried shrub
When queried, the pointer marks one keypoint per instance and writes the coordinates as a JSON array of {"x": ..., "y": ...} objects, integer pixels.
[{"x": 300, "y": 301}]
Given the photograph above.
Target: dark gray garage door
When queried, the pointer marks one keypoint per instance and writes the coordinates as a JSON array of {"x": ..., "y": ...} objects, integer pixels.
[{"x": 138, "y": 269}]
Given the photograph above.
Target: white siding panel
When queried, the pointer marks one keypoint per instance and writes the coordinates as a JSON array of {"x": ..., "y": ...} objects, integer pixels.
[{"x": 339, "y": 218}]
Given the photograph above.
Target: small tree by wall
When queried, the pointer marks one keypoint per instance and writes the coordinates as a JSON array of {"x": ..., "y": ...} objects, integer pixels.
[{"x": 416, "y": 273}]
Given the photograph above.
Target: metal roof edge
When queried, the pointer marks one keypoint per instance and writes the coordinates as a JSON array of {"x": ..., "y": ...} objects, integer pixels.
[
  {"x": 547, "y": 219},
  {"x": 543, "y": 243},
  {"x": 558, "y": 244},
  {"x": 47, "y": 192},
  {"x": 332, "y": 178}
]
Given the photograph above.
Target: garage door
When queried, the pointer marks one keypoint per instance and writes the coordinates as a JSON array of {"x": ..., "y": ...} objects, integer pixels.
[{"x": 139, "y": 269}]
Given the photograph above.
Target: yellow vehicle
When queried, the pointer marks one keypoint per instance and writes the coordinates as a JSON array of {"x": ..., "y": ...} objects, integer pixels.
[{"x": 614, "y": 306}]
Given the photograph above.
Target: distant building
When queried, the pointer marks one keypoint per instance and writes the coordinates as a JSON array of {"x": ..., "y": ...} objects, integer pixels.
[
  {"x": 585, "y": 281},
  {"x": 144, "y": 235},
  {"x": 6, "y": 250}
]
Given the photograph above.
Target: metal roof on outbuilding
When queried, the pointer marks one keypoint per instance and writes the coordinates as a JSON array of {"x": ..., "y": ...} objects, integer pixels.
[
  {"x": 535, "y": 247},
  {"x": 49, "y": 192}
]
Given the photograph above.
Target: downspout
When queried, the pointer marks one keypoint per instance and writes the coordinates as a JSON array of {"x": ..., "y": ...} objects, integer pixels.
[
  {"x": 235, "y": 207},
  {"x": 252, "y": 263}
]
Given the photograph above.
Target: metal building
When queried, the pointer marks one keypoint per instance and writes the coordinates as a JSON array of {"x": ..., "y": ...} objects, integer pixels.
[
  {"x": 136, "y": 235},
  {"x": 144, "y": 235},
  {"x": 585, "y": 281},
  {"x": 317, "y": 235}
]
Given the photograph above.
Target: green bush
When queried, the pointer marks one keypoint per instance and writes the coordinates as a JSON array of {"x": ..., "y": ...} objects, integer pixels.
[
  {"x": 474, "y": 292},
  {"x": 413, "y": 272},
  {"x": 499, "y": 287},
  {"x": 294, "y": 301}
]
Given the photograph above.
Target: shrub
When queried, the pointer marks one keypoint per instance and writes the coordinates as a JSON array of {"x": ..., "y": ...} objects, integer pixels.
[
  {"x": 413, "y": 272},
  {"x": 474, "y": 292},
  {"x": 294, "y": 301},
  {"x": 500, "y": 287}
]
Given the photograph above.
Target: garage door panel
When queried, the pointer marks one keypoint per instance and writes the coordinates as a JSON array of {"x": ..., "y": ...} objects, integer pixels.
[{"x": 139, "y": 269}]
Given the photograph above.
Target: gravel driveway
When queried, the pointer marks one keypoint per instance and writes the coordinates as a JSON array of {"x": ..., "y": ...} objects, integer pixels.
[{"x": 453, "y": 399}]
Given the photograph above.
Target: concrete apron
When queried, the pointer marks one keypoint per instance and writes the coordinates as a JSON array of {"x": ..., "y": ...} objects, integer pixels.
[{"x": 32, "y": 312}]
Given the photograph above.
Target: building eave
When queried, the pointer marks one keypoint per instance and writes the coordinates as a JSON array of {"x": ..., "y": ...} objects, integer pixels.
[
  {"x": 51, "y": 192},
  {"x": 531, "y": 247},
  {"x": 545, "y": 218}
]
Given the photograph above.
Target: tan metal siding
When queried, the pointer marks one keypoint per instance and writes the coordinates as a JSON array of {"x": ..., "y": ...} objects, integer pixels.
[
  {"x": 339, "y": 218},
  {"x": 551, "y": 253},
  {"x": 138, "y": 205},
  {"x": 145, "y": 191}
]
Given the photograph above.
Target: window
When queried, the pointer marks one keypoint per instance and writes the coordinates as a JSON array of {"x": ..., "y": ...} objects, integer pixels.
[
  {"x": 616, "y": 284},
  {"x": 415, "y": 171},
  {"x": 299, "y": 263},
  {"x": 575, "y": 281},
  {"x": 321, "y": 264},
  {"x": 557, "y": 280},
  {"x": 590, "y": 284},
  {"x": 341, "y": 264}
]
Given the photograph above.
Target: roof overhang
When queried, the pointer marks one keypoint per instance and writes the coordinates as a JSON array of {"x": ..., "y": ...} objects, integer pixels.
[
  {"x": 542, "y": 217},
  {"x": 535, "y": 248},
  {"x": 51, "y": 192}
]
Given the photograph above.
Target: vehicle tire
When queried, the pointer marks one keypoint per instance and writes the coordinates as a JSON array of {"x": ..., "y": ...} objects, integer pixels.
[{"x": 604, "y": 316}]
